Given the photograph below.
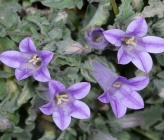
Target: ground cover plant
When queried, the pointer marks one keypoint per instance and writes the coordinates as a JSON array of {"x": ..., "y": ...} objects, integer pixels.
[{"x": 81, "y": 70}]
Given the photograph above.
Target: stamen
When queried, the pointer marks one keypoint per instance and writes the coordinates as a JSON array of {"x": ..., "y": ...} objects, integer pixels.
[
  {"x": 131, "y": 41},
  {"x": 61, "y": 98},
  {"x": 98, "y": 39},
  {"x": 35, "y": 59},
  {"x": 117, "y": 84}
]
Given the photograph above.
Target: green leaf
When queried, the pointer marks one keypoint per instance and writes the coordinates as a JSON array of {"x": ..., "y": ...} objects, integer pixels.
[
  {"x": 96, "y": 17},
  {"x": 6, "y": 136},
  {"x": 48, "y": 135},
  {"x": 59, "y": 4},
  {"x": 158, "y": 27},
  {"x": 27, "y": 93},
  {"x": 160, "y": 126},
  {"x": 156, "y": 7},
  {"x": 151, "y": 116},
  {"x": 161, "y": 74},
  {"x": 6, "y": 44},
  {"x": 160, "y": 59},
  {"x": 4, "y": 74},
  {"x": 125, "y": 12},
  {"x": 79, "y": 3},
  {"x": 3, "y": 89},
  {"x": 41, "y": 22}
]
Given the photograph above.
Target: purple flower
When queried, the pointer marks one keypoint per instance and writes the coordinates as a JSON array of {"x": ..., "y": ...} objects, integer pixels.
[
  {"x": 134, "y": 46},
  {"x": 96, "y": 39},
  {"x": 119, "y": 91},
  {"x": 64, "y": 103},
  {"x": 28, "y": 61}
]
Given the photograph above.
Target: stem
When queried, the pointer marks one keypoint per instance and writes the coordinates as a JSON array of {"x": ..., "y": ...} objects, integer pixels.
[
  {"x": 145, "y": 134},
  {"x": 19, "y": 33},
  {"x": 115, "y": 8}
]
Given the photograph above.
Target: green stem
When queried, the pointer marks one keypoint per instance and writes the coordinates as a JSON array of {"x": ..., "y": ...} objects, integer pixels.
[
  {"x": 114, "y": 5},
  {"x": 145, "y": 134}
]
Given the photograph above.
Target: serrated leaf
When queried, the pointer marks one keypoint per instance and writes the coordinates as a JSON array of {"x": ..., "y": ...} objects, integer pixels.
[
  {"x": 27, "y": 93},
  {"x": 96, "y": 17},
  {"x": 41, "y": 22},
  {"x": 125, "y": 12},
  {"x": 156, "y": 7}
]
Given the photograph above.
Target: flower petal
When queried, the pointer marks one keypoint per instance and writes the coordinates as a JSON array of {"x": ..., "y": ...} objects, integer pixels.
[
  {"x": 138, "y": 83},
  {"x": 42, "y": 75},
  {"x": 123, "y": 57},
  {"x": 137, "y": 27},
  {"x": 56, "y": 87},
  {"x": 22, "y": 74},
  {"x": 142, "y": 60},
  {"x": 46, "y": 56},
  {"x": 80, "y": 110},
  {"x": 103, "y": 75},
  {"x": 79, "y": 90},
  {"x": 131, "y": 98},
  {"x": 13, "y": 59},
  {"x": 114, "y": 36},
  {"x": 47, "y": 108},
  {"x": 153, "y": 44},
  {"x": 27, "y": 45},
  {"x": 61, "y": 119},
  {"x": 118, "y": 108},
  {"x": 104, "y": 98}
]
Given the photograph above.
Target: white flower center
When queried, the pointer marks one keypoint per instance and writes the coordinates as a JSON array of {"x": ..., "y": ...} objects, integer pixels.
[
  {"x": 61, "y": 98},
  {"x": 131, "y": 41},
  {"x": 36, "y": 60},
  {"x": 117, "y": 84}
]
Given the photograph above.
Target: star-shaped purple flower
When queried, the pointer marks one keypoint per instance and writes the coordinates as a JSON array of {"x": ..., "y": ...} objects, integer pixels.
[
  {"x": 119, "y": 91},
  {"x": 96, "y": 39},
  {"x": 28, "y": 61},
  {"x": 135, "y": 47},
  {"x": 64, "y": 103}
]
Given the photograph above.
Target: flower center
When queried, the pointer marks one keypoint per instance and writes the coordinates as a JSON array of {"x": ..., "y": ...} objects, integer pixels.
[
  {"x": 128, "y": 40},
  {"x": 36, "y": 60},
  {"x": 61, "y": 98},
  {"x": 98, "y": 39},
  {"x": 117, "y": 84}
]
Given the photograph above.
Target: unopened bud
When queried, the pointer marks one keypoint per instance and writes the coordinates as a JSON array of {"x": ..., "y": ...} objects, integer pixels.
[
  {"x": 129, "y": 121},
  {"x": 75, "y": 48},
  {"x": 61, "y": 16}
]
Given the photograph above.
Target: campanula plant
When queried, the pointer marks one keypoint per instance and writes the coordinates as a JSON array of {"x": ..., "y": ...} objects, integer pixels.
[
  {"x": 134, "y": 47},
  {"x": 28, "y": 61}
]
